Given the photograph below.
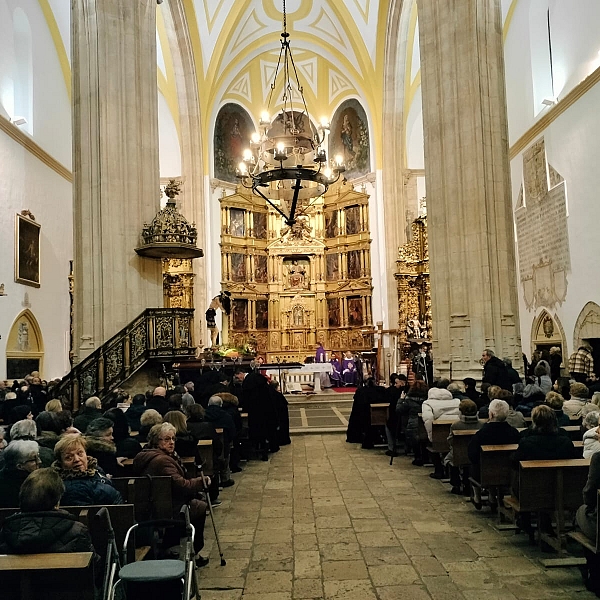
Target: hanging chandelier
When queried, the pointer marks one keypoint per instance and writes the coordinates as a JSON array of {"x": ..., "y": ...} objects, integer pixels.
[{"x": 285, "y": 164}]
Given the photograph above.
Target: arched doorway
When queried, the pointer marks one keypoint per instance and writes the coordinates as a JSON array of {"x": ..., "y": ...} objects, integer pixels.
[
  {"x": 547, "y": 331},
  {"x": 587, "y": 328},
  {"x": 25, "y": 347}
]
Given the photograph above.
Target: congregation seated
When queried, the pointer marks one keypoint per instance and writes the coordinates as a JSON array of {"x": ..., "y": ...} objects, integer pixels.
[
  {"x": 471, "y": 390},
  {"x": 185, "y": 444},
  {"x": 220, "y": 418},
  {"x": 197, "y": 425},
  {"x": 496, "y": 431},
  {"x": 359, "y": 423},
  {"x": 532, "y": 396},
  {"x": 158, "y": 401},
  {"x": 135, "y": 411},
  {"x": 27, "y": 430},
  {"x": 591, "y": 444},
  {"x": 159, "y": 458},
  {"x": 21, "y": 457},
  {"x": 126, "y": 446},
  {"x": 90, "y": 411},
  {"x": 593, "y": 405},
  {"x": 40, "y": 526},
  {"x": 440, "y": 404},
  {"x": 467, "y": 421},
  {"x": 49, "y": 429},
  {"x": 555, "y": 401},
  {"x": 541, "y": 376},
  {"x": 491, "y": 392},
  {"x": 101, "y": 445},
  {"x": 411, "y": 406},
  {"x": 21, "y": 412},
  {"x": 85, "y": 482},
  {"x": 186, "y": 401},
  {"x": 148, "y": 420},
  {"x": 515, "y": 418},
  {"x": 543, "y": 441},
  {"x": 578, "y": 405}
]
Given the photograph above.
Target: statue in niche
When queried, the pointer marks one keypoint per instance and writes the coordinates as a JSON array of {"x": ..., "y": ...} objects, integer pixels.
[
  {"x": 297, "y": 232},
  {"x": 23, "y": 337},
  {"x": 298, "y": 316},
  {"x": 296, "y": 274},
  {"x": 222, "y": 302}
]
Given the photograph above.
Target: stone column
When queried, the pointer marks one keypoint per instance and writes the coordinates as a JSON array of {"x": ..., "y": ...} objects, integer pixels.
[
  {"x": 471, "y": 245},
  {"x": 115, "y": 164}
]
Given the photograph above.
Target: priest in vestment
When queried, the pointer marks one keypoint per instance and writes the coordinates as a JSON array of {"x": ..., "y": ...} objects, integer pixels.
[{"x": 349, "y": 372}]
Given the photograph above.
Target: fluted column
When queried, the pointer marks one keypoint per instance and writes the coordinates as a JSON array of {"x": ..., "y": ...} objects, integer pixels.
[
  {"x": 471, "y": 245},
  {"x": 115, "y": 158}
]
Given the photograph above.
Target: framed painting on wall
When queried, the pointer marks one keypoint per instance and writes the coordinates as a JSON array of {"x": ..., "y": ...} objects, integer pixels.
[{"x": 27, "y": 251}]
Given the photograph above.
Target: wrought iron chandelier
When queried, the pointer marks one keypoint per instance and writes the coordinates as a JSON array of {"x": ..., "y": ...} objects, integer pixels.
[{"x": 285, "y": 164}]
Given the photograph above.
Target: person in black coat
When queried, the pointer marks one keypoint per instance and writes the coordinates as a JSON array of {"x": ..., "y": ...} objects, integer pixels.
[
  {"x": 158, "y": 401},
  {"x": 126, "y": 445},
  {"x": 398, "y": 387},
  {"x": 513, "y": 375},
  {"x": 471, "y": 391},
  {"x": 409, "y": 408},
  {"x": 283, "y": 417},
  {"x": 495, "y": 371},
  {"x": 359, "y": 423},
  {"x": 135, "y": 411},
  {"x": 91, "y": 410},
  {"x": 21, "y": 457},
  {"x": 41, "y": 527},
  {"x": 260, "y": 403},
  {"x": 101, "y": 445}
]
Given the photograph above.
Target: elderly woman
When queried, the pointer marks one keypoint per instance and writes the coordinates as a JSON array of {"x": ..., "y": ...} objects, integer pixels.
[
  {"x": 185, "y": 444},
  {"x": 40, "y": 526},
  {"x": 577, "y": 405},
  {"x": 21, "y": 457},
  {"x": 159, "y": 458},
  {"x": 85, "y": 483},
  {"x": 53, "y": 406},
  {"x": 101, "y": 445},
  {"x": 148, "y": 420},
  {"x": 591, "y": 443},
  {"x": 27, "y": 430}
]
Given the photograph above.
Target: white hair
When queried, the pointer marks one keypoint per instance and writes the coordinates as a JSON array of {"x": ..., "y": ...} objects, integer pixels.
[
  {"x": 18, "y": 452},
  {"x": 24, "y": 428},
  {"x": 215, "y": 401},
  {"x": 498, "y": 410}
]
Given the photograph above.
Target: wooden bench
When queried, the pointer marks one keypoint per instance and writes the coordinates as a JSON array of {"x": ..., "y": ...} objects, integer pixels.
[
  {"x": 574, "y": 432},
  {"x": 205, "y": 451},
  {"x": 439, "y": 435},
  {"x": 60, "y": 576},
  {"x": 122, "y": 517},
  {"x": 460, "y": 444},
  {"x": 550, "y": 486},
  {"x": 150, "y": 496},
  {"x": 379, "y": 414},
  {"x": 585, "y": 541}
]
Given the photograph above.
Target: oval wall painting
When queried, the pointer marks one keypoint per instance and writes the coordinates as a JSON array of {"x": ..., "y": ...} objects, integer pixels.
[{"x": 233, "y": 128}]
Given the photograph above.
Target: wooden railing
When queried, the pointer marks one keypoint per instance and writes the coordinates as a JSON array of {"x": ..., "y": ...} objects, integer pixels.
[{"x": 158, "y": 333}]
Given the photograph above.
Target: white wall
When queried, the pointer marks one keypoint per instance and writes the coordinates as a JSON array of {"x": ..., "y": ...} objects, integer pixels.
[
  {"x": 27, "y": 183},
  {"x": 168, "y": 141}
]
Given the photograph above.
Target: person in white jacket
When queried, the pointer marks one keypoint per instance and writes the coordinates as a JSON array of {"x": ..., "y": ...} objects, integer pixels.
[
  {"x": 591, "y": 444},
  {"x": 439, "y": 404}
]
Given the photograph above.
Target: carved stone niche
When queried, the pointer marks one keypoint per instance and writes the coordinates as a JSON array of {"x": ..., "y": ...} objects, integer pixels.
[{"x": 414, "y": 294}]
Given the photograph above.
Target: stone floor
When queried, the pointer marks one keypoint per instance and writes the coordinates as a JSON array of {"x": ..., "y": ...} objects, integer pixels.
[
  {"x": 320, "y": 416},
  {"x": 325, "y": 519}
]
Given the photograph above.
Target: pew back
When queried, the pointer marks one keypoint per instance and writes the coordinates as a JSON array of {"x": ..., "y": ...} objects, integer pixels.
[{"x": 151, "y": 496}]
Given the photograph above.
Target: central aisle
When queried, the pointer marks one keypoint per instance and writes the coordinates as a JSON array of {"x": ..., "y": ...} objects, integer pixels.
[{"x": 326, "y": 519}]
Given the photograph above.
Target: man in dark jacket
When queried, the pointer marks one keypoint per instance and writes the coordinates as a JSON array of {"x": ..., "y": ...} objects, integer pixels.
[
  {"x": 40, "y": 527},
  {"x": 219, "y": 417},
  {"x": 91, "y": 410},
  {"x": 513, "y": 374},
  {"x": 158, "y": 401},
  {"x": 135, "y": 411},
  {"x": 494, "y": 371}
]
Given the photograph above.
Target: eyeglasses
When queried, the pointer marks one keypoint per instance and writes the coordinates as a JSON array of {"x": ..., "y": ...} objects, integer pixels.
[
  {"x": 36, "y": 459},
  {"x": 168, "y": 439}
]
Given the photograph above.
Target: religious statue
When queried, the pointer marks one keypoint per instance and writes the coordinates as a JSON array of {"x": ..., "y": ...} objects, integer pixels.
[
  {"x": 414, "y": 329},
  {"x": 296, "y": 275},
  {"x": 298, "y": 231},
  {"x": 223, "y": 302}
]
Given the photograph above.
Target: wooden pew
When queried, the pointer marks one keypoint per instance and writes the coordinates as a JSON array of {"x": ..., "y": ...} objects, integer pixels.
[
  {"x": 550, "y": 486},
  {"x": 585, "y": 541},
  {"x": 379, "y": 414},
  {"x": 439, "y": 435},
  {"x": 122, "y": 517},
  {"x": 574, "y": 432},
  {"x": 60, "y": 576},
  {"x": 150, "y": 496},
  {"x": 460, "y": 444},
  {"x": 205, "y": 451}
]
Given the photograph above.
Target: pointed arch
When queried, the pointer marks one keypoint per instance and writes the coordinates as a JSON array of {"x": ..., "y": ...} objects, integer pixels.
[
  {"x": 547, "y": 329},
  {"x": 587, "y": 325},
  {"x": 25, "y": 346}
]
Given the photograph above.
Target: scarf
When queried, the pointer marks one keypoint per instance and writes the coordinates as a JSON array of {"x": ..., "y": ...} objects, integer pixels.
[{"x": 71, "y": 474}]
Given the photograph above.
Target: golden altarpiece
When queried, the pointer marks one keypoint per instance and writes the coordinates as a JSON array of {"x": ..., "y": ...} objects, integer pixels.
[
  {"x": 414, "y": 294},
  {"x": 293, "y": 287}
]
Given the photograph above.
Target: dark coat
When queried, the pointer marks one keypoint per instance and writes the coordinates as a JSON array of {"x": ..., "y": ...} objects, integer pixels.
[
  {"x": 44, "y": 532},
  {"x": 496, "y": 373},
  {"x": 260, "y": 402},
  {"x": 201, "y": 429},
  {"x": 133, "y": 414},
  {"x": 359, "y": 423},
  {"x": 535, "y": 445},
  {"x": 85, "y": 417},
  {"x": 157, "y": 463},
  {"x": 491, "y": 434},
  {"x": 87, "y": 487},
  {"x": 283, "y": 418},
  {"x": 128, "y": 447},
  {"x": 221, "y": 420},
  {"x": 159, "y": 404},
  {"x": 10, "y": 486},
  {"x": 105, "y": 453},
  {"x": 393, "y": 395},
  {"x": 186, "y": 445},
  {"x": 513, "y": 376},
  {"x": 410, "y": 406}
]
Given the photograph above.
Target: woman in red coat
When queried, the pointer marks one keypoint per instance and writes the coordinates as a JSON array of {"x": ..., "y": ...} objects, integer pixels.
[{"x": 159, "y": 458}]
